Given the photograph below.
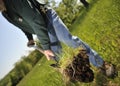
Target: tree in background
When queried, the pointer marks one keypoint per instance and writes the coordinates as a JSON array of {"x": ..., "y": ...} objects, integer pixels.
[
  {"x": 68, "y": 11},
  {"x": 21, "y": 68}
]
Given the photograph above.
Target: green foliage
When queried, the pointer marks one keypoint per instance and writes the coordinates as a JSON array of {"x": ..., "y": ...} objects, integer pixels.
[
  {"x": 68, "y": 11},
  {"x": 21, "y": 68},
  {"x": 34, "y": 57}
]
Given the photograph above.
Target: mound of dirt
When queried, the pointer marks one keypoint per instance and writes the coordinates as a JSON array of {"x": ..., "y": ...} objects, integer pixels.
[{"x": 79, "y": 69}]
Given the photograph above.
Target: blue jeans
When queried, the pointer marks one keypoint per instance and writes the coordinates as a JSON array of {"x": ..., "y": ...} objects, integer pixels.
[{"x": 58, "y": 32}]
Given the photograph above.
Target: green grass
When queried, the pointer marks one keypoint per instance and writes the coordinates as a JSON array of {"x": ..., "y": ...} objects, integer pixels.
[
  {"x": 42, "y": 75},
  {"x": 99, "y": 26}
]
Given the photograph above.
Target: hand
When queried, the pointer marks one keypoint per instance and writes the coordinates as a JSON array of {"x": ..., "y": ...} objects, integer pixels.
[
  {"x": 30, "y": 43},
  {"x": 49, "y": 54}
]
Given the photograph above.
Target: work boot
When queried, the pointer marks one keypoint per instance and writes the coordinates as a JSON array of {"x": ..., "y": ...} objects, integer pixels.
[{"x": 109, "y": 70}]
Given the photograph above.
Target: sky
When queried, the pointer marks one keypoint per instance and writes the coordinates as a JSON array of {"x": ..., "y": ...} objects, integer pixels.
[{"x": 12, "y": 45}]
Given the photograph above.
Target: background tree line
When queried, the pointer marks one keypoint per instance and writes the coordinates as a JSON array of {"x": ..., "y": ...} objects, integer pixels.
[{"x": 21, "y": 68}]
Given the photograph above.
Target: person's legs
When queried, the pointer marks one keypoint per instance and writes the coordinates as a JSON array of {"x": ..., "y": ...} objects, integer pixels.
[
  {"x": 61, "y": 30},
  {"x": 55, "y": 44},
  {"x": 64, "y": 36}
]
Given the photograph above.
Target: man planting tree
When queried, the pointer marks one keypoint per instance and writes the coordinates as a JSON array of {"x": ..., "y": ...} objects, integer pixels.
[{"x": 34, "y": 17}]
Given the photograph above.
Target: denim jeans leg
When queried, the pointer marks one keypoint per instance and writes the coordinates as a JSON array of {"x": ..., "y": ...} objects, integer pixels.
[
  {"x": 55, "y": 43},
  {"x": 65, "y": 36},
  {"x": 61, "y": 30},
  {"x": 94, "y": 58}
]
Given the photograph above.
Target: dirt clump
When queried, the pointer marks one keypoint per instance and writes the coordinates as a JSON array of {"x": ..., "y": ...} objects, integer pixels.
[{"x": 79, "y": 69}]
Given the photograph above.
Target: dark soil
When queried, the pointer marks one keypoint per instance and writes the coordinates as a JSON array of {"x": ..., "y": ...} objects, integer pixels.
[{"x": 79, "y": 69}]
